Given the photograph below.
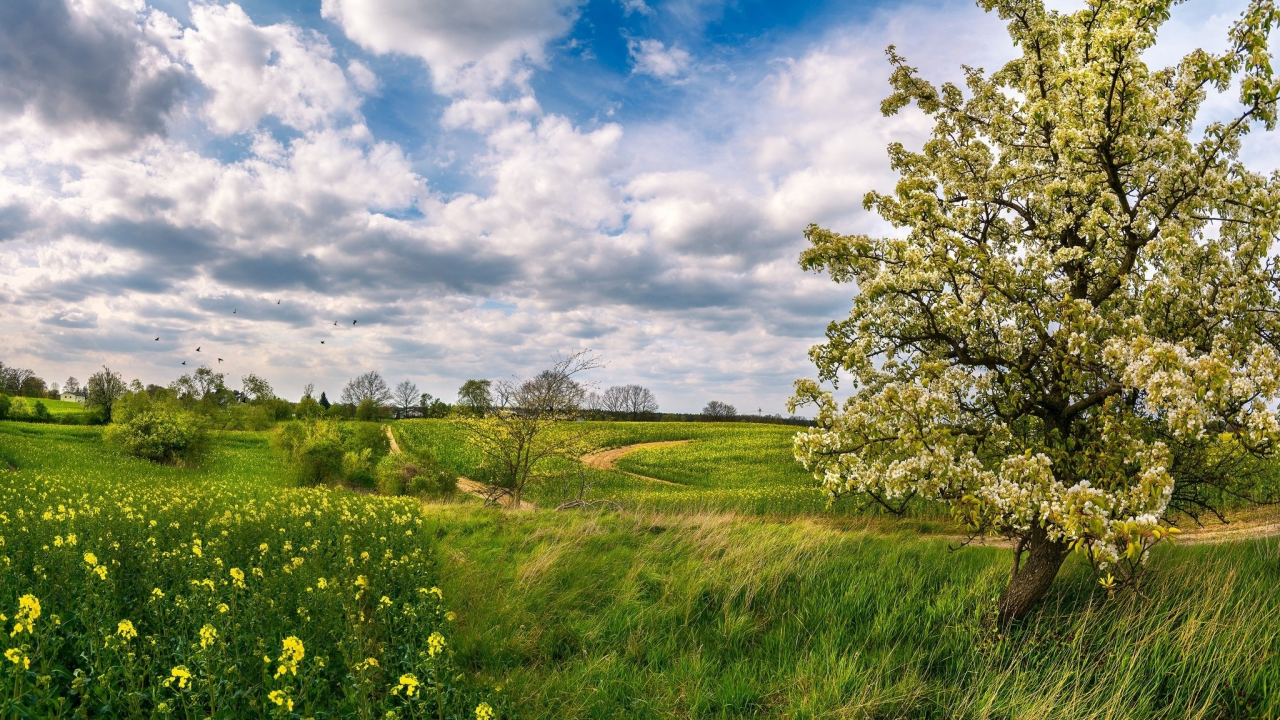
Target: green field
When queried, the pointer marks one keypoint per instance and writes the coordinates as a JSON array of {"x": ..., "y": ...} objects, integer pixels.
[{"x": 732, "y": 594}]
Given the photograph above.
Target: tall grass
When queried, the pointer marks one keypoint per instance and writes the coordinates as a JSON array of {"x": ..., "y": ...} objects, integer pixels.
[{"x": 652, "y": 615}]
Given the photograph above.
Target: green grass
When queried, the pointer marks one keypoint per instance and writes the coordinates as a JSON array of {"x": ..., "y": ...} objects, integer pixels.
[
  {"x": 63, "y": 407},
  {"x": 215, "y": 569},
  {"x": 653, "y": 616},
  {"x": 697, "y": 601},
  {"x": 726, "y": 467}
]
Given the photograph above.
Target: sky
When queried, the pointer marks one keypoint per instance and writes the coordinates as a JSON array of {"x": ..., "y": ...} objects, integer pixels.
[{"x": 451, "y": 189}]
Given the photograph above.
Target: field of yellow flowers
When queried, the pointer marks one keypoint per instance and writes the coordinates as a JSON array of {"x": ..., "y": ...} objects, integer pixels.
[{"x": 129, "y": 589}]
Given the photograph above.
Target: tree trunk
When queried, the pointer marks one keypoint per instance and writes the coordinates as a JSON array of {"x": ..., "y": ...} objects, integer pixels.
[{"x": 1032, "y": 578}]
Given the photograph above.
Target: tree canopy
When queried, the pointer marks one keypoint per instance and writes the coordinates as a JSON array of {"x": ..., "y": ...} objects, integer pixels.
[{"x": 1078, "y": 326}]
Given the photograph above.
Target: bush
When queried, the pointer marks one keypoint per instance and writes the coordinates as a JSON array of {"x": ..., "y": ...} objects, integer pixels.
[
  {"x": 309, "y": 409},
  {"x": 40, "y": 412},
  {"x": 5, "y": 402},
  {"x": 419, "y": 474},
  {"x": 314, "y": 450},
  {"x": 368, "y": 410},
  {"x": 357, "y": 467},
  {"x": 158, "y": 431},
  {"x": 357, "y": 437}
]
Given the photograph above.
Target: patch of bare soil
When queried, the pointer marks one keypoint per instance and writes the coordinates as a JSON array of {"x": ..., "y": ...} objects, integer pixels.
[{"x": 607, "y": 459}]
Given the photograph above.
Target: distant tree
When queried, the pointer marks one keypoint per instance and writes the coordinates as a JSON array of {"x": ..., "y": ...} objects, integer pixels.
[
  {"x": 638, "y": 401},
  {"x": 719, "y": 410},
  {"x": 434, "y": 408},
  {"x": 532, "y": 423},
  {"x": 308, "y": 389},
  {"x": 103, "y": 389},
  {"x": 611, "y": 400},
  {"x": 324, "y": 401},
  {"x": 13, "y": 378},
  {"x": 199, "y": 385},
  {"x": 406, "y": 396},
  {"x": 256, "y": 390},
  {"x": 72, "y": 385},
  {"x": 368, "y": 386},
  {"x": 475, "y": 397},
  {"x": 53, "y": 392},
  {"x": 33, "y": 386}
]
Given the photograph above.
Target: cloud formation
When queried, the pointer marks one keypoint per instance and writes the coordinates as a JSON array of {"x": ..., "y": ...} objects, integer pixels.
[{"x": 228, "y": 183}]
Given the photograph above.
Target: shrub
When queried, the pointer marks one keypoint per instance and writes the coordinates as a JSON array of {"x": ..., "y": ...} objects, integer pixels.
[
  {"x": 158, "y": 431},
  {"x": 368, "y": 410},
  {"x": 308, "y": 408},
  {"x": 357, "y": 467},
  {"x": 314, "y": 450},
  {"x": 357, "y": 437},
  {"x": 419, "y": 474},
  {"x": 4, "y": 406},
  {"x": 40, "y": 412}
]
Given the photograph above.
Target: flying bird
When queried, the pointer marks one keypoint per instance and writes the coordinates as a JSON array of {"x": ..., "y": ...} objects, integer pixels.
[
  {"x": 335, "y": 323},
  {"x": 197, "y": 349},
  {"x": 233, "y": 312},
  {"x": 157, "y": 339},
  {"x": 184, "y": 362},
  {"x": 353, "y": 322},
  {"x": 277, "y": 302},
  {"x": 219, "y": 359},
  {"x": 321, "y": 342}
]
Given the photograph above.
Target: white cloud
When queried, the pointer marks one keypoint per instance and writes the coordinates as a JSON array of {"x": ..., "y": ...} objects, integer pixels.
[
  {"x": 252, "y": 71},
  {"x": 471, "y": 46},
  {"x": 651, "y": 57}
]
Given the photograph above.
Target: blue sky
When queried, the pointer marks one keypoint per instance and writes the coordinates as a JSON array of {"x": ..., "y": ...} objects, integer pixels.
[{"x": 482, "y": 184}]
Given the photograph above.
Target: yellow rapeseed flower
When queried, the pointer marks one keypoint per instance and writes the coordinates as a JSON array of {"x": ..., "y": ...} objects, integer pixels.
[
  {"x": 484, "y": 712},
  {"x": 182, "y": 675},
  {"x": 90, "y": 559},
  {"x": 17, "y": 657},
  {"x": 435, "y": 644},
  {"x": 280, "y": 698},
  {"x": 222, "y": 607},
  {"x": 237, "y": 577},
  {"x": 409, "y": 683},
  {"x": 292, "y": 655},
  {"x": 125, "y": 630},
  {"x": 207, "y": 635}
]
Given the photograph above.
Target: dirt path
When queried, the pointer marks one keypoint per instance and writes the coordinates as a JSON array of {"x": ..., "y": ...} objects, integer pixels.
[
  {"x": 466, "y": 485},
  {"x": 607, "y": 459}
]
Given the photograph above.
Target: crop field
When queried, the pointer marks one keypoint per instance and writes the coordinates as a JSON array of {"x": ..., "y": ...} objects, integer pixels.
[{"x": 137, "y": 590}]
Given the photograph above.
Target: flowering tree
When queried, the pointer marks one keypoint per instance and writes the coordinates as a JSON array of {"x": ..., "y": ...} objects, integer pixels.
[{"x": 1077, "y": 328}]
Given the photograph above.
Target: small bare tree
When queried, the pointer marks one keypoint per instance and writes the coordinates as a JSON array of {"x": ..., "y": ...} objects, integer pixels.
[{"x": 532, "y": 422}]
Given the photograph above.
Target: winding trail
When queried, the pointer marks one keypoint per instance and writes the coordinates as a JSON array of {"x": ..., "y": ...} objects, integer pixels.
[
  {"x": 467, "y": 485},
  {"x": 607, "y": 459}
]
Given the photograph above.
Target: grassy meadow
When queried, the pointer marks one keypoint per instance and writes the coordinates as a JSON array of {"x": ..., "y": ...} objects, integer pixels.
[{"x": 732, "y": 593}]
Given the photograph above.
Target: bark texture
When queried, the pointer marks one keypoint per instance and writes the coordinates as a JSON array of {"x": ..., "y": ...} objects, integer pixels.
[{"x": 1032, "y": 577}]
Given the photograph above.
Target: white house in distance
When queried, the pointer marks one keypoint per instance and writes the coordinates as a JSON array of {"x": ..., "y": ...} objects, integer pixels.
[{"x": 77, "y": 396}]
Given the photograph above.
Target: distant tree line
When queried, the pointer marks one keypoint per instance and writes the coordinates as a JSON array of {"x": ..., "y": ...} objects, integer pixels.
[{"x": 366, "y": 397}]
